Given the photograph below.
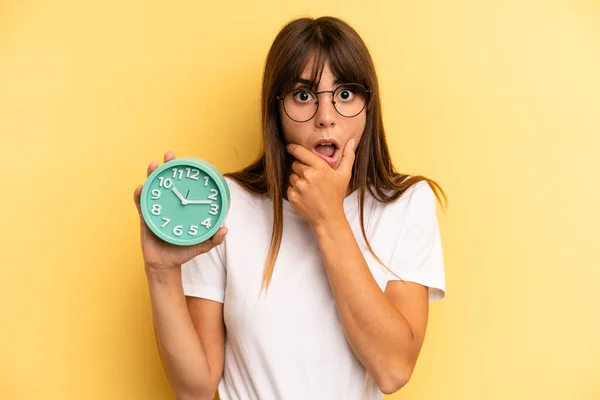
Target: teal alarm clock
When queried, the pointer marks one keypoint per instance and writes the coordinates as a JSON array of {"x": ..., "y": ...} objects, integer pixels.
[{"x": 185, "y": 201}]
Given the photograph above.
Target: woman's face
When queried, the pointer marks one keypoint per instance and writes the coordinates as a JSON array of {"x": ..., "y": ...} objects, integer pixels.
[{"x": 327, "y": 126}]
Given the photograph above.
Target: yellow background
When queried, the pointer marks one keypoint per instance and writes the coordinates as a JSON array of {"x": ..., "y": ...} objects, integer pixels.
[{"x": 498, "y": 101}]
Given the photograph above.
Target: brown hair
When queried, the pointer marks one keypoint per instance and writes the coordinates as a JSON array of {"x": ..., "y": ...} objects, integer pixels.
[{"x": 327, "y": 39}]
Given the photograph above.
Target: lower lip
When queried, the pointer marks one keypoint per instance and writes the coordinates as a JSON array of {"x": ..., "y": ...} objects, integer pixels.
[{"x": 332, "y": 161}]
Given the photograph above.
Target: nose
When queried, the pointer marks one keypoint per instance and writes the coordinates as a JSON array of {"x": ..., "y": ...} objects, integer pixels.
[{"x": 326, "y": 114}]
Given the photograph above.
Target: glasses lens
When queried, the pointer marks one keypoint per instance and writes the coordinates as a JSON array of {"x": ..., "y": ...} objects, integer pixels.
[
  {"x": 300, "y": 104},
  {"x": 350, "y": 99}
]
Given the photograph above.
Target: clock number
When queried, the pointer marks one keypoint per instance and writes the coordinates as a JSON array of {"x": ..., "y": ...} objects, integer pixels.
[
  {"x": 206, "y": 181},
  {"x": 155, "y": 194},
  {"x": 214, "y": 209},
  {"x": 193, "y": 230},
  {"x": 177, "y": 230},
  {"x": 192, "y": 173},
  {"x": 214, "y": 194},
  {"x": 156, "y": 209},
  {"x": 206, "y": 223},
  {"x": 165, "y": 182},
  {"x": 175, "y": 171},
  {"x": 166, "y": 223}
]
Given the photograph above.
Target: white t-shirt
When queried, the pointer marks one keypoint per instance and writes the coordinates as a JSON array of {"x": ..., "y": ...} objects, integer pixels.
[{"x": 290, "y": 344}]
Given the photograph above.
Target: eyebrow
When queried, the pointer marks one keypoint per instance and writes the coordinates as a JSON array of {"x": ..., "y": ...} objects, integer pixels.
[{"x": 309, "y": 83}]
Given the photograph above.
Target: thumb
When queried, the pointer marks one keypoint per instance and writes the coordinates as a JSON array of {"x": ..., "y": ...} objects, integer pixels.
[
  {"x": 218, "y": 238},
  {"x": 208, "y": 245},
  {"x": 348, "y": 157},
  {"x": 136, "y": 199}
]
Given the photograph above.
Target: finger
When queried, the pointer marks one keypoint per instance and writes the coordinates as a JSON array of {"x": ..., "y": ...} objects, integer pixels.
[
  {"x": 304, "y": 155},
  {"x": 299, "y": 168},
  {"x": 151, "y": 167},
  {"x": 206, "y": 246},
  {"x": 218, "y": 238},
  {"x": 347, "y": 158},
  {"x": 291, "y": 194},
  {"x": 294, "y": 178},
  {"x": 169, "y": 156},
  {"x": 136, "y": 198}
]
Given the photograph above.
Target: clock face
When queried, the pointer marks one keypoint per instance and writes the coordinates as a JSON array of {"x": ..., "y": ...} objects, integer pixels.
[{"x": 185, "y": 201}]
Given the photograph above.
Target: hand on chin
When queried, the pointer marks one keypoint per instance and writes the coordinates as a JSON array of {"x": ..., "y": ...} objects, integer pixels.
[{"x": 318, "y": 183}]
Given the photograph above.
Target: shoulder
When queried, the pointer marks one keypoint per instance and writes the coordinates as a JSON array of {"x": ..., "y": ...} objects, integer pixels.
[
  {"x": 421, "y": 197},
  {"x": 417, "y": 199},
  {"x": 242, "y": 196}
]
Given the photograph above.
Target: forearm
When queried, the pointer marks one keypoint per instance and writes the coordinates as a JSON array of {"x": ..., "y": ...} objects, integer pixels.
[
  {"x": 181, "y": 351},
  {"x": 377, "y": 332}
]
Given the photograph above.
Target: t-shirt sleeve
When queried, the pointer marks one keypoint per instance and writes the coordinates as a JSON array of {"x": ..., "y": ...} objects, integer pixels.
[
  {"x": 418, "y": 255},
  {"x": 205, "y": 275}
]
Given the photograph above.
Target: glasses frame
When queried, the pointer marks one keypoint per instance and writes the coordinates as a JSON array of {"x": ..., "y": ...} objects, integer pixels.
[{"x": 344, "y": 85}]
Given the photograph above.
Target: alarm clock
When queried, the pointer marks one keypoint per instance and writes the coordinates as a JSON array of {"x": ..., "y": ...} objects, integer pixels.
[{"x": 185, "y": 201}]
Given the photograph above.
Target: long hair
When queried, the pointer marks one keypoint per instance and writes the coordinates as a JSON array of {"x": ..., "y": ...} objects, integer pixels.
[{"x": 327, "y": 39}]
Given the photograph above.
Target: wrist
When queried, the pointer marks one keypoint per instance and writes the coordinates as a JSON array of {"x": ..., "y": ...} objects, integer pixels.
[
  {"x": 329, "y": 226},
  {"x": 163, "y": 275}
]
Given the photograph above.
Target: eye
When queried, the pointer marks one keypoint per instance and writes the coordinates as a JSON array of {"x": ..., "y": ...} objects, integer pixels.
[
  {"x": 345, "y": 94},
  {"x": 303, "y": 96}
]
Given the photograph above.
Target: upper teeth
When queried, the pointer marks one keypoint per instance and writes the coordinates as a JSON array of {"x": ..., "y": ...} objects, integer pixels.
[{"x": 326, "y": 144}]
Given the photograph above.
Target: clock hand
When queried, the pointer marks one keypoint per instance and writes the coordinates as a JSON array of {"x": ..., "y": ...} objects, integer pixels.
[
  {"x": 199, "y": 202},
  {"x": 183, "y": 201}
]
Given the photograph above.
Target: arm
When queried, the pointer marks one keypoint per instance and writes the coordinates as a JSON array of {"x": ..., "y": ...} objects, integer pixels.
[
  {"x": 385, "y": 330},
  {"x": 190, "y": 341},
  {"x": 189, "y": 333}
]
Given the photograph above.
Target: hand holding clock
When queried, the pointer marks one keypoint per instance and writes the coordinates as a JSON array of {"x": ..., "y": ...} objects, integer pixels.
[{"x": 161, "y": 255}]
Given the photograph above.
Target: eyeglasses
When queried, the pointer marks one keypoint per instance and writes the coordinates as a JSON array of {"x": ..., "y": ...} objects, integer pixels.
[{"x": 348, "y": 99}]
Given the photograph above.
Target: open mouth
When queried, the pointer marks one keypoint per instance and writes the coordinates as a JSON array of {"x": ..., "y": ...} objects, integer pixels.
[{"x": 328, "y": 152}]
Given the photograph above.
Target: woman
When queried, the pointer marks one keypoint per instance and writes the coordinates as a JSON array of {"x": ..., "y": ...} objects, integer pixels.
[{"x": 320, "y": 289}]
